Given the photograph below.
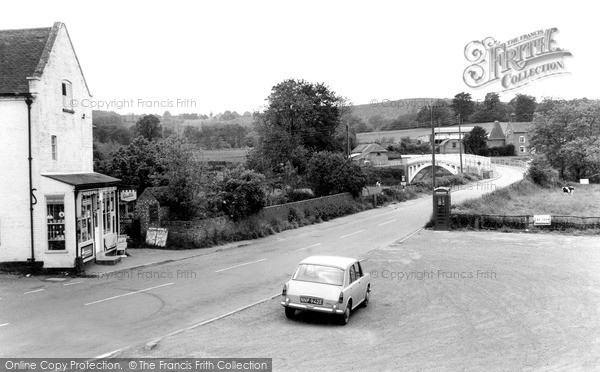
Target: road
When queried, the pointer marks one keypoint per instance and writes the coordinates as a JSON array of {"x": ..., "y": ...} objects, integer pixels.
[{"x": 90, "y": 317}]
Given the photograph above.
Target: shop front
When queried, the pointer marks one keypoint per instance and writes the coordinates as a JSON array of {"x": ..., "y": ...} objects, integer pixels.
[{"x": 82, "y": 219}]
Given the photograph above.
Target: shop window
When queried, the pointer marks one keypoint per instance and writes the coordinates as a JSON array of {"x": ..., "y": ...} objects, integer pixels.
[
  {"x": 55, "y": 220},
  {"x": 54, "y": 144},
  {"x": 84, "y": 222},
  {"x": 109, "y": 212},
  {"x": 67, "y": 97}
]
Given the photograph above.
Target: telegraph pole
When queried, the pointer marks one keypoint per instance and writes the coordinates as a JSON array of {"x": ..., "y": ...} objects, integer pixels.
[
  {"x": 460, "y": 143},
  {"x": 432, "y": 150},
  {"x": 347, "y": 140}
]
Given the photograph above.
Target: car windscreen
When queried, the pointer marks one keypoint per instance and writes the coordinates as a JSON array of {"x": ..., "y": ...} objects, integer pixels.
[{"x": 319, "y": 274}]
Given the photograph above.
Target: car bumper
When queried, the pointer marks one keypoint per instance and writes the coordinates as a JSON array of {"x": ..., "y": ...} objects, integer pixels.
[{"x": 321, "y": 309}]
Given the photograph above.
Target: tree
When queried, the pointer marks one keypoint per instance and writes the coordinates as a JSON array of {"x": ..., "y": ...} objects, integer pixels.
[
  {"x": 148, "y": 126},
  {"x": 568, "y": 134},
  {"x": 523, "y": 107},
  {"x": 442, "y": 114},
  {"x": 329, "y": 173},
  {"x": 241, "y": 193},
  {"x": 134, "y": 164},
  {"x": 490, "y": 110},
  {"x": 178, "y": 167},
  {"x": 300, "y": 117},
  {"x": 463, "y": 104},
  {"x": 475, "y": 142}
]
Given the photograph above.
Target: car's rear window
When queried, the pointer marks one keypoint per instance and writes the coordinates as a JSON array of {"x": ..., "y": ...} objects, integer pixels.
[{"x": 319, "y": 274}]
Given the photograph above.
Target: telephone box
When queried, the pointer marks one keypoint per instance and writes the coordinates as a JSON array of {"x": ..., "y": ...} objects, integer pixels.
[{"x": 441, "y": 208}]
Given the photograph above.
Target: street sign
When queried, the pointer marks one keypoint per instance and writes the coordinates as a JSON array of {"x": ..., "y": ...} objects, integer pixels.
[
  {"x": 542, "y": 220},
  {"x": 584, "y": 181}
]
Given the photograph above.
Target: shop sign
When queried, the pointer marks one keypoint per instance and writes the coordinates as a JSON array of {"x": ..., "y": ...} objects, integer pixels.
[
  {"x": 128, "y": 195},
  {"x": 157, "y": 236},
  {"x": 87, "y": 251}
]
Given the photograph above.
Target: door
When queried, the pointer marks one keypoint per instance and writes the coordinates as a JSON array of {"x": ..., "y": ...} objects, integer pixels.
[{"x": 97, "y": 213}]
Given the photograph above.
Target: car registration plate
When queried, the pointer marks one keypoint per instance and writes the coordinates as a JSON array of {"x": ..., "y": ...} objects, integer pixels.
[{"x": 311, "y": 300}]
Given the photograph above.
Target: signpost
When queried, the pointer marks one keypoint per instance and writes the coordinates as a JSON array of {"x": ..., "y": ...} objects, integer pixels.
[
  {"x": 157, "y": 236},
  {"x": 542, "y": 220}
]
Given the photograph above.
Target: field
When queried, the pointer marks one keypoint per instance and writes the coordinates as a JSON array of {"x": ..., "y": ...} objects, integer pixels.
[
  {"x": 390, "y": 109},
  {"x": 226, "y": 155},
  {"x": 526, "y": 198}
]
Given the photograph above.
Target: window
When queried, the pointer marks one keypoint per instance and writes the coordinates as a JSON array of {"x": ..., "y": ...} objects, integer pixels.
[
  {"x": 453, "y": 145},
  {"x": 55, "y": 221},
  {"x": 319, "y": 274},
  {"x": 153, "y": 211},
  {"x": 358, "y": 270},
  {"x": 522, "y": 149},
  {"x": 352, "y": 274},
  {"x": 109, "y": 212},
  {"x": 54, "y": 146},
  {"x": 84, "y": 220},
  {"x": 67, "y": 97},
  {"x": 522, "y": 139}
]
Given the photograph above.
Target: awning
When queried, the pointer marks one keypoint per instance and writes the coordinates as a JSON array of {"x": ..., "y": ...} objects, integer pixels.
[{"x": 85, "y": 181}]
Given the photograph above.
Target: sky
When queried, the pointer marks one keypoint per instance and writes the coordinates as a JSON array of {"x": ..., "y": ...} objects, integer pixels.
[{"x": 202, "y": 57}]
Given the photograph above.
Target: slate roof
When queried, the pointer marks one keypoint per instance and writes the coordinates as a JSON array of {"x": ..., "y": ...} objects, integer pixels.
[
  {"x": 160, "y": 193},
  {"x": 83, "y": 181},
  {"x": 24, "y": 53},
  {"x": 366, "y": 148},
  {"x": 520, "y": 127}
]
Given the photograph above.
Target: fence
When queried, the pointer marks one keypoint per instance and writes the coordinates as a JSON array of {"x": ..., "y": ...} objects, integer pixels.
[
  {"x": 509, "y": 161},
  {"x": 521, "y": 222}
]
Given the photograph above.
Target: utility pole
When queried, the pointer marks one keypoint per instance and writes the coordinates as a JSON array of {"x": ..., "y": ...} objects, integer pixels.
[
  {"x": 347, "y": 141},
  {"x": 460, "y": 143},
  {"x": 432, "y": 150}
]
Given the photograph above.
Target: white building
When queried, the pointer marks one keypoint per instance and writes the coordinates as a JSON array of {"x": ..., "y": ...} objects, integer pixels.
[{"x": 53, "y": 208}]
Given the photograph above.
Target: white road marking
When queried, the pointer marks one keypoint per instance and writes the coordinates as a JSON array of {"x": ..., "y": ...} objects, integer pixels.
[
  {"x": 73, "y": 283},
  {"x": 310, "y": 246},
  {"x": 385, "y": 223},
  {"x": 56, "y": 279},
  {"x": 127, "y": 294},
  {"x": 354, "y": 233},
  {"x": 5, "y": 324},
  {"x": 244, "y": 264},
  {"x": 111, "y": 353},
  {"x": 37, "y": 290},
  {"x": 410, "y": 235},
  {"x": 154, "y": 342}
]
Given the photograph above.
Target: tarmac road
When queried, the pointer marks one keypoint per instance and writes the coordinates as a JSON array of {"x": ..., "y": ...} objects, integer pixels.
[{"x": 90, "y": 317}]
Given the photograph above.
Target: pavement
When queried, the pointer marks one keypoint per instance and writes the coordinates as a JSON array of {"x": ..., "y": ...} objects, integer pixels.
[{"x": 138, "y": 258}]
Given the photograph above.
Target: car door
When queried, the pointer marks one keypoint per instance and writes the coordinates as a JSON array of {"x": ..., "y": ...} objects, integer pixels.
[
  {"x": 363, "y": 281},
  {"x": 353, "y": 286}
]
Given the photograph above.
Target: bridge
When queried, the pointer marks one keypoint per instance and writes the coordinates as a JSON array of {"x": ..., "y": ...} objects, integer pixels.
[{"x": 413, "y": 164}]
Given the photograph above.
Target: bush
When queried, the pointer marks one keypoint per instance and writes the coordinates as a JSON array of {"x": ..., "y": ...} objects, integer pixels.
[
  {"x": 387, "y": 176},
  {"x": 539, "y": 172}
]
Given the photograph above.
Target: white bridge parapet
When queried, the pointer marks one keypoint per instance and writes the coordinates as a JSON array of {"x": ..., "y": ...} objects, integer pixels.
[{"x": 450, "y": 162}]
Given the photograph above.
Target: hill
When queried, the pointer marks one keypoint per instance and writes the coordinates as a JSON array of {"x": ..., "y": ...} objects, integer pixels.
[{"x": 392, "y": 109}]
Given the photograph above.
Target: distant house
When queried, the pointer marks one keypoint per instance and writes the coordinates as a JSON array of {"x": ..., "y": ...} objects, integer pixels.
[
  {"x": 518, "y": 135},
  {"x": 152, "y": 207},
  {"x": 369, "y": 154},
  {"x": 449, "y": 146},
  {"x": 445, "y": 133}
]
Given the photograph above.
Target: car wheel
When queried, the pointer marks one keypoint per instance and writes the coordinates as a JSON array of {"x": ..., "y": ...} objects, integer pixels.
[
  {"x": 367, "y": 295},
  {"x": 345, "y": 318},
  {"x": 290, "y": 312}
]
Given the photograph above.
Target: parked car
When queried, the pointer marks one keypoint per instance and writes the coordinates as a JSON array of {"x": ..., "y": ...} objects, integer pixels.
[{"x": 327, "y": 284}]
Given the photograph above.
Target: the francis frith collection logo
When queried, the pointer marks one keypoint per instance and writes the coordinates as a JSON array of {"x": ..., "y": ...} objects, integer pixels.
[{"x": 516, "y": 62}]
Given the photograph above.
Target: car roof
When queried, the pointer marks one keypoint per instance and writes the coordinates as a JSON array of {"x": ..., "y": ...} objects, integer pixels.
[{"x": 334, "y": 261}]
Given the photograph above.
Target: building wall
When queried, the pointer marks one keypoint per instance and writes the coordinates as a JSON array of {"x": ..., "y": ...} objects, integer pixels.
[
  {"x": 381, "y": 159},
  {"x": 496, "y": 142},
  {"x": 514, "y": 139},
  {"x": 75, "y": 153},
  {"x": 14, "y": 177}
]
